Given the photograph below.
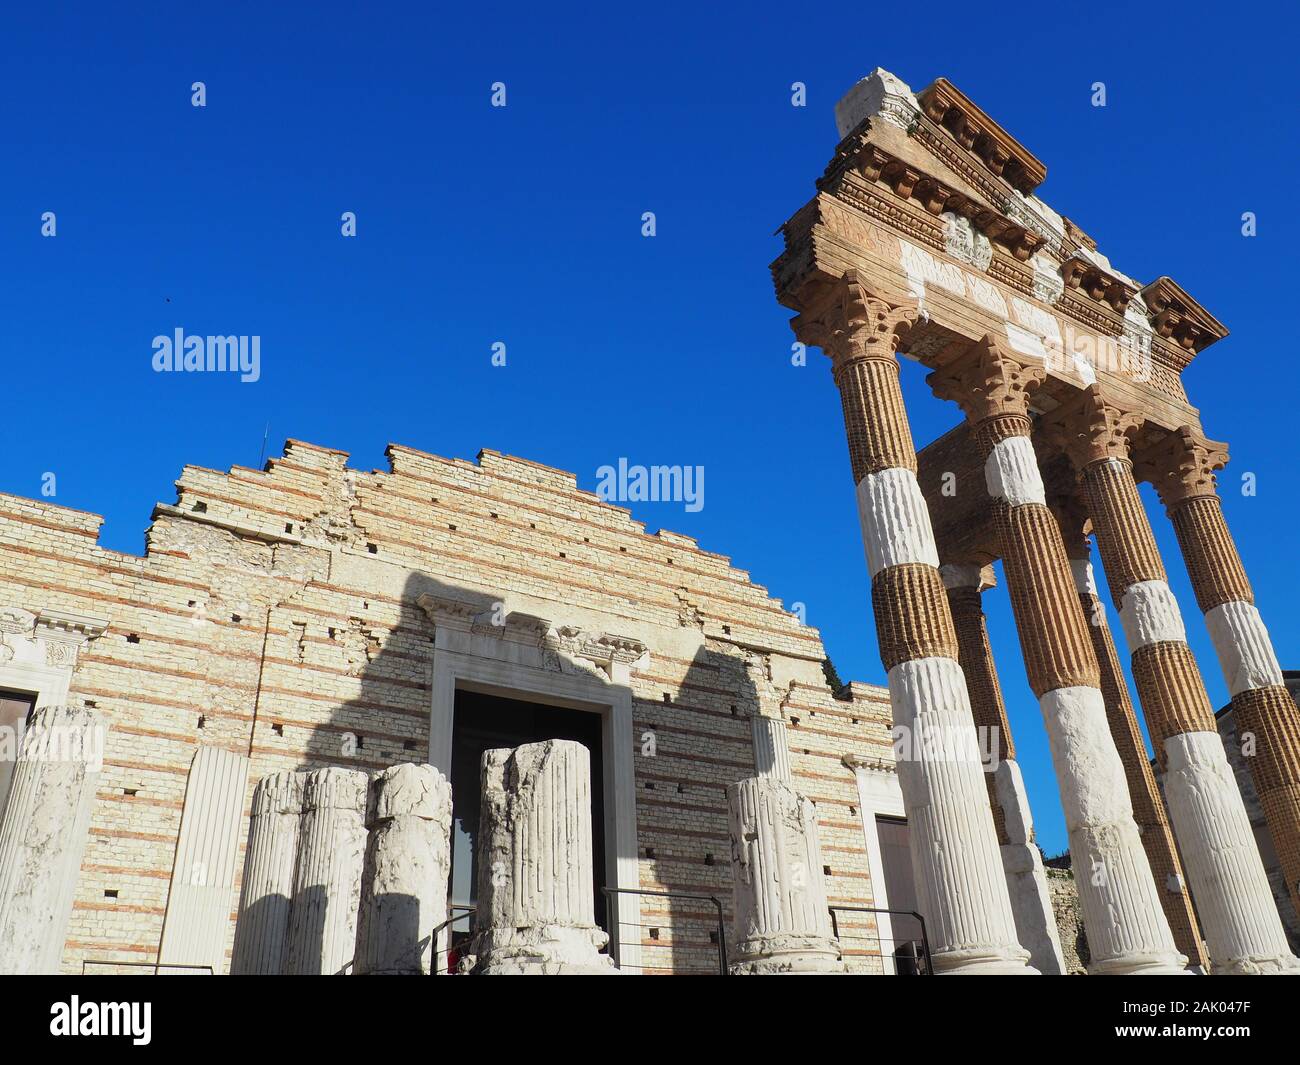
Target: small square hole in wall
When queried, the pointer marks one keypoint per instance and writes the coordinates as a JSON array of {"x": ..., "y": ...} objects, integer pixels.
[
  {"x": 853, "y": 811},
  {"x": 91, "y": 704},
  {"x": 131, "y": 792},
  {"x": 670, "y": 562},
  {"x": 111, "y": 893},
  {"x": 493, "y": 513},
  {"x": 361, "y": 741},
  {"x": 373, "y": 548},
  {"x": 806, "y": 751},
  {"x": 408, "y": 745},
  {"x": 288, "y": 527},
  {"x": 133, "y": 638},
  {"x": 199, "y": 507},
  {"x": 668, "y": 698},
  {"x": 735, "y": 712},
  {"x": 826, "y": 870},
  {"x": 532, "y": 525},
  {"x": 451, "y": 527},
  {"x": 726, "y": 630},
  {"x": 192, "y": 602},
  {"x": 236, "y": 618},
  {"x": 794, "y": 722},
  {"x": 649, "y": 785},
  {"x": 708, "y": 859},
  {"x": 649, "y": 852},
  {"x": 203, "y": 721},
  {"x": 713, "y": 937},
  {"x": 654, "y": 933},
  {"x": 623, "y": 549},
  {"x": 563, "y": 555},
  {"x": 855, "y": 720},
  {"x": 278, "y": 729},
  {"x": 433, "y": 499},
  {"x": 681, "y": 789}
]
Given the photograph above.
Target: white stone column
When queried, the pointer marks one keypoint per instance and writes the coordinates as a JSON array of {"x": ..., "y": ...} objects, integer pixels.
[
  {"x": 536, "y": 902},
  {"x": 43, "y": 835},
  {"x": 262, "y": 929},
  {"x": 771, "y": 746},
  {"x": 404, "y": 879},
  {"x": 327, "y": 882},
  {"x": 1026, "y": 879},
  {"x": 782, "y": 924}
]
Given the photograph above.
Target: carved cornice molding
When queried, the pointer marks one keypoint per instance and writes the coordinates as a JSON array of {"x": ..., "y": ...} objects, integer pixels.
[
  {"x": 1177, "y": 316},
  {"x": 1181, "y": 466},
  {"x": 856, "y": 154},
  {"x": 850, "y": 324},
  {"x": 857, "y": 762},
  {"x": 1090, "y": 429},
  {"x": 1080, "y": 272},
  {"x": 1001, "y": 153},
  {"x": 987, "y": 381}
]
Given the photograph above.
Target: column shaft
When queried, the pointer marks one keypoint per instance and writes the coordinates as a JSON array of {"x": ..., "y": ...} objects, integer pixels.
[
  {"x": 43, "y": 835},
  {"x": 1261, "y": 705},
  {"x": 327, "y": 882},
  {"x": 266, "y": 895},
  {"x": 1233, "y": 899},
  {"x": 960, "y": 885}
]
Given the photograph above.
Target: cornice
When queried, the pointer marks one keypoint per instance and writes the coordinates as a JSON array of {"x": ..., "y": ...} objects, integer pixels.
[
  {"x": 947, "y": 106},
  {"x": 1176, "y": 315}
]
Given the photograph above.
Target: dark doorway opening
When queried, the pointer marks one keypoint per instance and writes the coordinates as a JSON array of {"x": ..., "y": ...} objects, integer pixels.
[{"x": 482, "y": 722}]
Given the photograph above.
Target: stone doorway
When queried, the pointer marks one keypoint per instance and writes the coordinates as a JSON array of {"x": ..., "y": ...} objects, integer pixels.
[{"x": 483, "y": 721}]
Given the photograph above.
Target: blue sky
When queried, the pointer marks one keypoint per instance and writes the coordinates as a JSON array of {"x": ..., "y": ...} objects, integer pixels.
[{"x": 522, "y": 225}]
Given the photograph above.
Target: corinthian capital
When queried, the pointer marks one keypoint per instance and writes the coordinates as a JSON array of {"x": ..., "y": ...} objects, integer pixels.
[
  {"x": 850, "y": 324},
  {"x": 986, "y": 380},
  {"x": 1090, "y": 429},
  {"x": 1181, "y": 465}
]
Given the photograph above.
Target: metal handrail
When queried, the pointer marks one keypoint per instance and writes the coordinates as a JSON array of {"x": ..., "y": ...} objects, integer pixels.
[
  {"x": 925, "y": 939},
  {"x": 722, "y": 931},
  {"x": 155, "y": 965}
]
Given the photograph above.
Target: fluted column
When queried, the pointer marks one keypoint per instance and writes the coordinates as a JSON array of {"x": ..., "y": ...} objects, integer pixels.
[
  {"x": 536, "y": 907},
  {"x": 43, "y": 835},
  {"x": 266, "y": 895},
  {"x": 1242, "y": 929},
  {"x": 1127, "y": 930},
  {"x": 771, "y": 746},
  {"x": 782, "y": 924},
  {"x": 1148, "y": 806},
  {"x": 1022, "y": 864},
  {"x": 1181, "y": 467},
  {"x": 958, "y": 870},
  {"x": 327, "y": 883},
  {"x": 404, "y": 877}
]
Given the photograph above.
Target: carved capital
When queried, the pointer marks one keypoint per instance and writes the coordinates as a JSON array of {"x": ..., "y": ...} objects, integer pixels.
[
  {"x": 850, "y": 324},
  {"x": 1090, "y": 429},
  {"x": 986, "y": 381},
  {"x": 1181, "y": 466}
]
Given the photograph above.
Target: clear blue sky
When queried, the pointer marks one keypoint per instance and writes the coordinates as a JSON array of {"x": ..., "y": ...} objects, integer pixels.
[{"x": 523, "y": 225}]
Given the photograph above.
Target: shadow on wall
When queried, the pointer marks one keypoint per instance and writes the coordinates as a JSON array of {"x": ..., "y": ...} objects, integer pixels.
[{"x": 688, "y": 748}]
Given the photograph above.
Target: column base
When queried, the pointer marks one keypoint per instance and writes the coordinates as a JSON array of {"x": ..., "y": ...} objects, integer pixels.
[
  {"x": 787, "y": 955},
  {"x": 546, "y": 950},
  {"x": 1283, "y": 965},
  {"x": 1142, "y": 965},
  {"x": 983, "y": 963}
]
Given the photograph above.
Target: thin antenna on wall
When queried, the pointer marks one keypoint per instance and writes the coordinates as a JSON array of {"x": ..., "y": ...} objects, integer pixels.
[{"x": 261, "y": 462}]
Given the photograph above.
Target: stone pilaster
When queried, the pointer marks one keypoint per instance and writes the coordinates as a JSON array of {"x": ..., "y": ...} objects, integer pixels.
[
  {"x": 1021, "y": 861},
  {"x": 327, "y": 881},
  {"x": 958, "y": 869},
  {"x": 1242, "y": 929},
  {"x": 1181, "y": 467},
  {"x": 782, "y": 924},
  {"x": 1127, "y": 930},
  {"x": 771, "y": 746},
  {"x": 536, "y": 907},
  {"x": 404, "y": 877},
  {"x": 266, "y": 895},
  {"x": 43, "y": 835},
  {"x": 1148, "y": 806}
]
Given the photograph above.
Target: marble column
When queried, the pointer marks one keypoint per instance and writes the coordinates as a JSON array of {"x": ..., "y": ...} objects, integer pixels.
[
  {"x": 536, "y": 902},
  {"x": 1126, "y": 926},
  {"x": 782, "y": 924},
  {"x": 404, "y": 878},
  {"x": 327, "y": 881},
  {"x": 1031, "y": 903},
  {"x": 1181, "y": 467},
  {"x": 43, "y": 835},
  {"x": 958, "y": 869},
  {"x": 262, "y": 927},
  {"x": 771, "y": 745},
  {"x": 1148, "y": 806},
  {"x": 1242, "y": 929}
]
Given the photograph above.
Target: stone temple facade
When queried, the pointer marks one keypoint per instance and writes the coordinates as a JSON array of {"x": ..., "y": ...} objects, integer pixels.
[{"x": 329, "y": 710}]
